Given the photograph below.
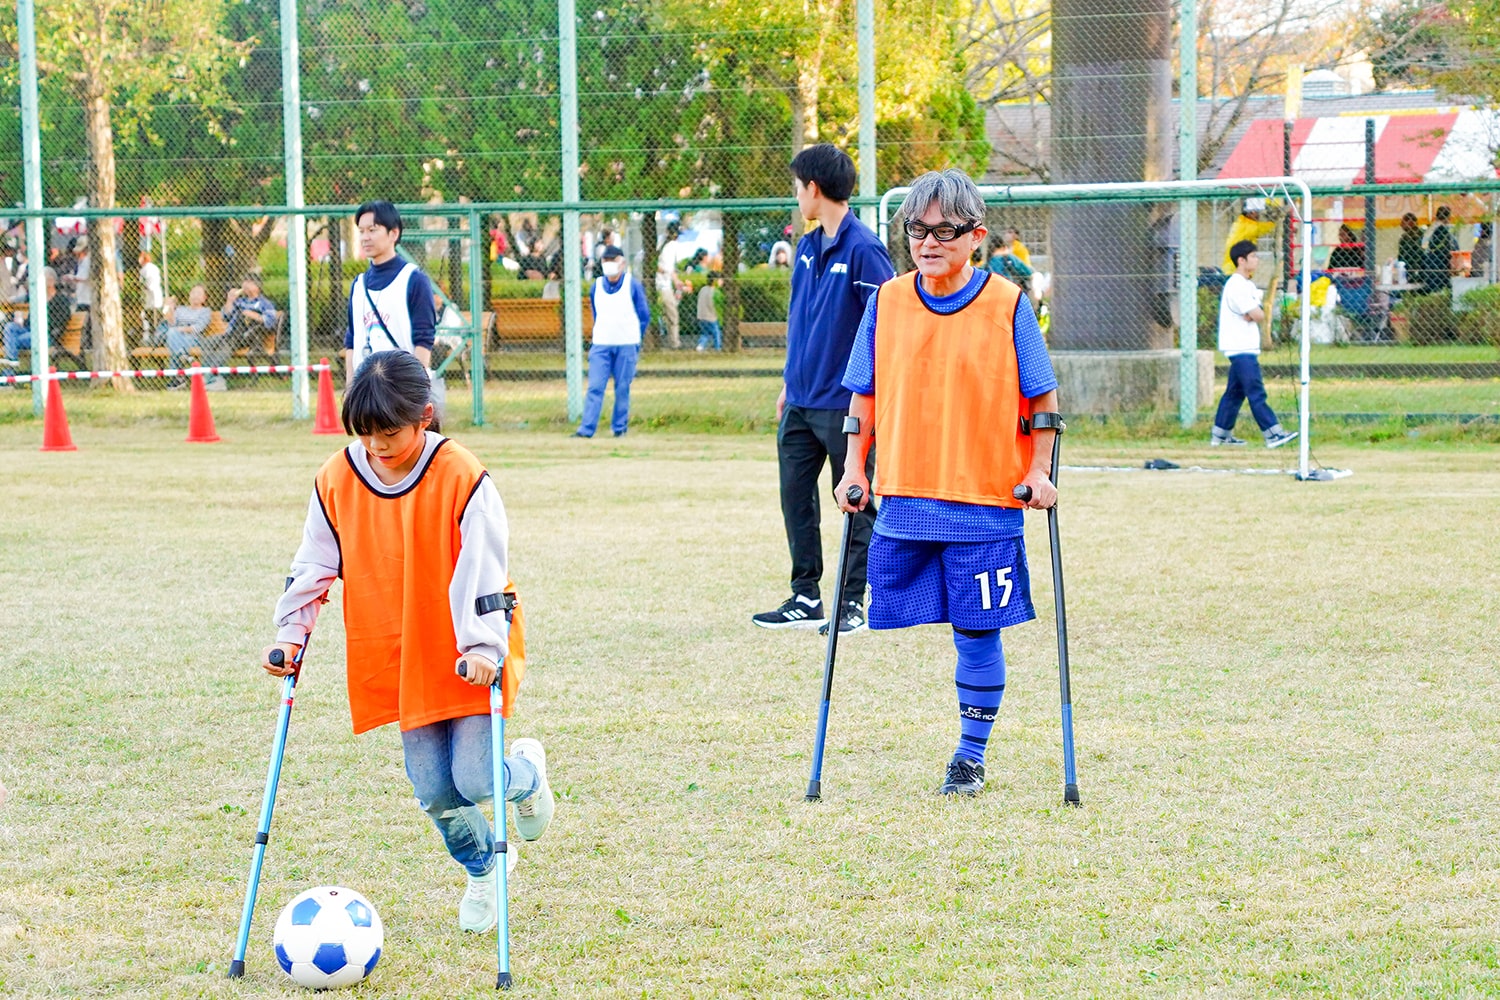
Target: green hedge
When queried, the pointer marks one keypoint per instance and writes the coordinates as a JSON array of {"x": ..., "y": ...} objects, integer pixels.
[{"x": 765, "y": 294}]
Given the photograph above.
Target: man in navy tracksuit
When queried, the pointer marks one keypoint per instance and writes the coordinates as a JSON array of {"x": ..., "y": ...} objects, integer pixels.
[{"x": 836, "y": 269}]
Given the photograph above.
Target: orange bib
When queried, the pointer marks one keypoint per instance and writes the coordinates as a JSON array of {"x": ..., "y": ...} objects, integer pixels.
[
  {"x": 948, "y": 403},
  {"x": 398, "y": 554}
]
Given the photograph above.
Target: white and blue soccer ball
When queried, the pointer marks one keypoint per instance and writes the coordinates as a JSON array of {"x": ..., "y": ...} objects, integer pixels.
[{"x": 328, "y": 937}]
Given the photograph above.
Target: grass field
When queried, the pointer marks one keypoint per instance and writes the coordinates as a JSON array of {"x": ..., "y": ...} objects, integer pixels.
[{"x": 1286, "y": 719}]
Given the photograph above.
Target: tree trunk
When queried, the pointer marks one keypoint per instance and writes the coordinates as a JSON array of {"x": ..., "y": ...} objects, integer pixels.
[
  {"x": 731, "y": 274},
  {"x": 457, "y": 263},
  {"x": 216, "y": 270},
  {"x": 105, "y": 319},
  {"x": 1111, "y": 108},
  {"x": 647, "y": 276},
  {"x": 337, "y": 297}
]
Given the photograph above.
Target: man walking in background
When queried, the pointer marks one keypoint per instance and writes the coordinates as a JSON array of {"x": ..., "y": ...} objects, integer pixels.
[
  {"x": 836, "y": 268},
  {"x": 1240, "y": 316}
]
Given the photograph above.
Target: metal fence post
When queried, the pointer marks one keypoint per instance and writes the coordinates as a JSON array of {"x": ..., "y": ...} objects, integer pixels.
[
  {"x": 36, "y": 227},
  {"x": 296, "y": 238},
  {"x": 476, "y": 314},
  {"x": 1187, "y": 215},
  {"x": 567, "y": 37}
]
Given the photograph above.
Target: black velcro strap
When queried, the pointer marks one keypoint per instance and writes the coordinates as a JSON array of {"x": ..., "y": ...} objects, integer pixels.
[
  {"x": 851, "y": 425},
  {"x": 1048, "y": 421},
  {"x": 262, "y": 838},
  {"x": 495, "y": 602}
]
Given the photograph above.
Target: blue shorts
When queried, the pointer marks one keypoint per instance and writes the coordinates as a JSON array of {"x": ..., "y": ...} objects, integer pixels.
[{"x": 973, "y": 585}]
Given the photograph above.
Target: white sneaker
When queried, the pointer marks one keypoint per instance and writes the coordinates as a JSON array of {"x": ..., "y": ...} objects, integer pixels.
[
  {"x": 476, "y": 911},
  {"x": 534, "y": 812}
]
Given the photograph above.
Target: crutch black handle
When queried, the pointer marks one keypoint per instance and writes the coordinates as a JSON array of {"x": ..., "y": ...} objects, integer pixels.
[
  {"x": 1022, "y": 493},
  {"x": 854, "y": 495},
  {"x": 277, "y": 657},
  {"x": 463, "y": 668}
]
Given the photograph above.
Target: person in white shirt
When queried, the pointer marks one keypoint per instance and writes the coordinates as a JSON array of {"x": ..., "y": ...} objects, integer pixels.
[
  {"x": 1240, "y": 315},
  {"x": 670, "y": 286},
  {"x": 151, "y": 293},
  {"x": 621, "y": 316}
]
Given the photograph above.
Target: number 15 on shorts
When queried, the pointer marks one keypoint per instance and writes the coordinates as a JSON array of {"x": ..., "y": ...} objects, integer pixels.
[{"x": 1002, "y": 584}]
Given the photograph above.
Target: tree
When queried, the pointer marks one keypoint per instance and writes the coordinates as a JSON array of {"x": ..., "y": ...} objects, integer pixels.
[{"x": 117, "y": 59}]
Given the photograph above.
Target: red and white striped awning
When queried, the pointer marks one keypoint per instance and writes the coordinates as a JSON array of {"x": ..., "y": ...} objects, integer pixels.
[{"x": 1448, "y": 145}]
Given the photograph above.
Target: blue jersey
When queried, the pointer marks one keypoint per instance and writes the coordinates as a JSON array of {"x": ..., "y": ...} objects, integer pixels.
[
  {"x": 924, "y": 518},
  {"x": 831, "y": 282}
]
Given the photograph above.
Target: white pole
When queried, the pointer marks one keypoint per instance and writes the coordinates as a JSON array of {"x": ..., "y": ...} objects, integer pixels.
[
  {"x": 36, "y": 233},
  {"x": 1187, "y": 215},
  {"x": 296, "y": 236},
  {"x": 865, "y": 35}
]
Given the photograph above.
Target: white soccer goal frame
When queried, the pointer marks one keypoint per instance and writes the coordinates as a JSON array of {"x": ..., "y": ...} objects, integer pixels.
[{"x": 1041, "y": 194}]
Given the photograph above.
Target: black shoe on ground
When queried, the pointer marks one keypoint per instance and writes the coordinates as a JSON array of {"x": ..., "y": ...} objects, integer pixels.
[
  {"x": 851, "y": 619},
  {"x": 1276, "y": 437},
  {"x": 795, "y": 612},
  {"x": 964, "y": 777}
]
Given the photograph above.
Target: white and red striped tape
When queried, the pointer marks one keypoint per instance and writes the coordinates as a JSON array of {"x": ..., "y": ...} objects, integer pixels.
[{"x": 169, "y": 373}]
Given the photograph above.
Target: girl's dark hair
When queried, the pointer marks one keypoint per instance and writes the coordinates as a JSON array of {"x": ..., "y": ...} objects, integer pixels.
[{"x": 389, "y": 391}]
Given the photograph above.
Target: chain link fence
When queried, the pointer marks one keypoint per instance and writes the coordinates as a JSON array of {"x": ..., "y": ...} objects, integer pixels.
[{"x": 687, "y": 118}]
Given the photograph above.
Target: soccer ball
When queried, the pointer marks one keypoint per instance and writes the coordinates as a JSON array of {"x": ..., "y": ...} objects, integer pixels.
[{"x": 328, "y": 937}]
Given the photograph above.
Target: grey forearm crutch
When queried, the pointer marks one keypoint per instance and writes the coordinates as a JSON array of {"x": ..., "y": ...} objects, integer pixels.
[
  {"x": 815, "y": 781},
  {"x": 1042, "y": 422},
  {"x": 507, "y": 603}
]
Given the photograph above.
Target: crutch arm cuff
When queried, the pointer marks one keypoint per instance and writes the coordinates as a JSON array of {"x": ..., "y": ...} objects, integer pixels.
[
  {"x": 495, "y": 602},
  {"x": 1048, "y": 420}
]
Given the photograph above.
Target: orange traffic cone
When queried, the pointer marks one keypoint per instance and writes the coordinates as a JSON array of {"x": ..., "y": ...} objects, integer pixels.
[
  {"x": 200, "y": 417},
  {"x": 326, "y": 421},
  {"x": 55, "y": 433}
]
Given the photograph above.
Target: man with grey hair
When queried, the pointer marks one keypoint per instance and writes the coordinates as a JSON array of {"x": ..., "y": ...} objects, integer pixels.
[{"x": 950, "y": 373}]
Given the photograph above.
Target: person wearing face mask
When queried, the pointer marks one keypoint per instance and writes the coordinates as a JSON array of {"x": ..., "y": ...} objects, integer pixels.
[{"x": 621, "y": 316}]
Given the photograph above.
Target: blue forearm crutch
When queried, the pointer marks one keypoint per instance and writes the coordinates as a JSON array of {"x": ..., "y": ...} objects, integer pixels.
[
  {"x": 1053, "y": 421},
  {"x": 497, "y": 757},
  {"x": 267, "y": 804}
]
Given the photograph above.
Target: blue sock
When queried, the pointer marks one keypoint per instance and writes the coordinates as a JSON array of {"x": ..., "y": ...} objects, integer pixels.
[{"x": 980, "y": 679}]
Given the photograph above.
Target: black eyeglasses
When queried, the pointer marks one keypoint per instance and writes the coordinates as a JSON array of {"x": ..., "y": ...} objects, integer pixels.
[{"x": 942, "y": 232}]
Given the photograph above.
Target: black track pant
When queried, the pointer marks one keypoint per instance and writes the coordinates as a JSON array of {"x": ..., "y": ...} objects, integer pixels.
[{"x": 806, "y": 440}]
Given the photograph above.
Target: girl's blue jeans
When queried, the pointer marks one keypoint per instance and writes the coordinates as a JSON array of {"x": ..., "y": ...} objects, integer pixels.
[{"x": 449, "y": 766}]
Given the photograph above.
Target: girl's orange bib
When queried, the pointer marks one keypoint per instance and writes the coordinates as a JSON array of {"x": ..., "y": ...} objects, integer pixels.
[
  {"x": 398, "y": 554},
  {"x": 948, "y": 403}
]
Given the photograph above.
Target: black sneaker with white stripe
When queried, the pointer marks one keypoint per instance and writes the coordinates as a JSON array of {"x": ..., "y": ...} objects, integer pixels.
[
  {"x": 851, "y": 619},
  {"x": 796, "y": 612}
]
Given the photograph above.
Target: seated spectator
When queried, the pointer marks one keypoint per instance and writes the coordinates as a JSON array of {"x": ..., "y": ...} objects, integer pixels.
[
  {"x": 182, "y": 329},
  {"x": 249, "y": 314},
  {"x": 552, "y": 289},
  {"x": 59, "y": 308},
  {"x": 781, "y": 255},
  {"x": 1349, "y": 255}
]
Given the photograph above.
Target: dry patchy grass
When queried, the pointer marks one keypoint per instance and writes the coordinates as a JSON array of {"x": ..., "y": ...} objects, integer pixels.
[{"x": 1286, "y": 719}]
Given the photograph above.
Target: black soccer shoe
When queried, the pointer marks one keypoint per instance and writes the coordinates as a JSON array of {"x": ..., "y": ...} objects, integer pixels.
[
  {"x": 851, "y": 619},
  {"x": 965, "y": 777},
  {"x": 795, "y": 612}
]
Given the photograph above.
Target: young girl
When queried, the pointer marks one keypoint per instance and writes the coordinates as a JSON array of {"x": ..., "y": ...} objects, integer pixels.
[{"x": 415, "y": 527}]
